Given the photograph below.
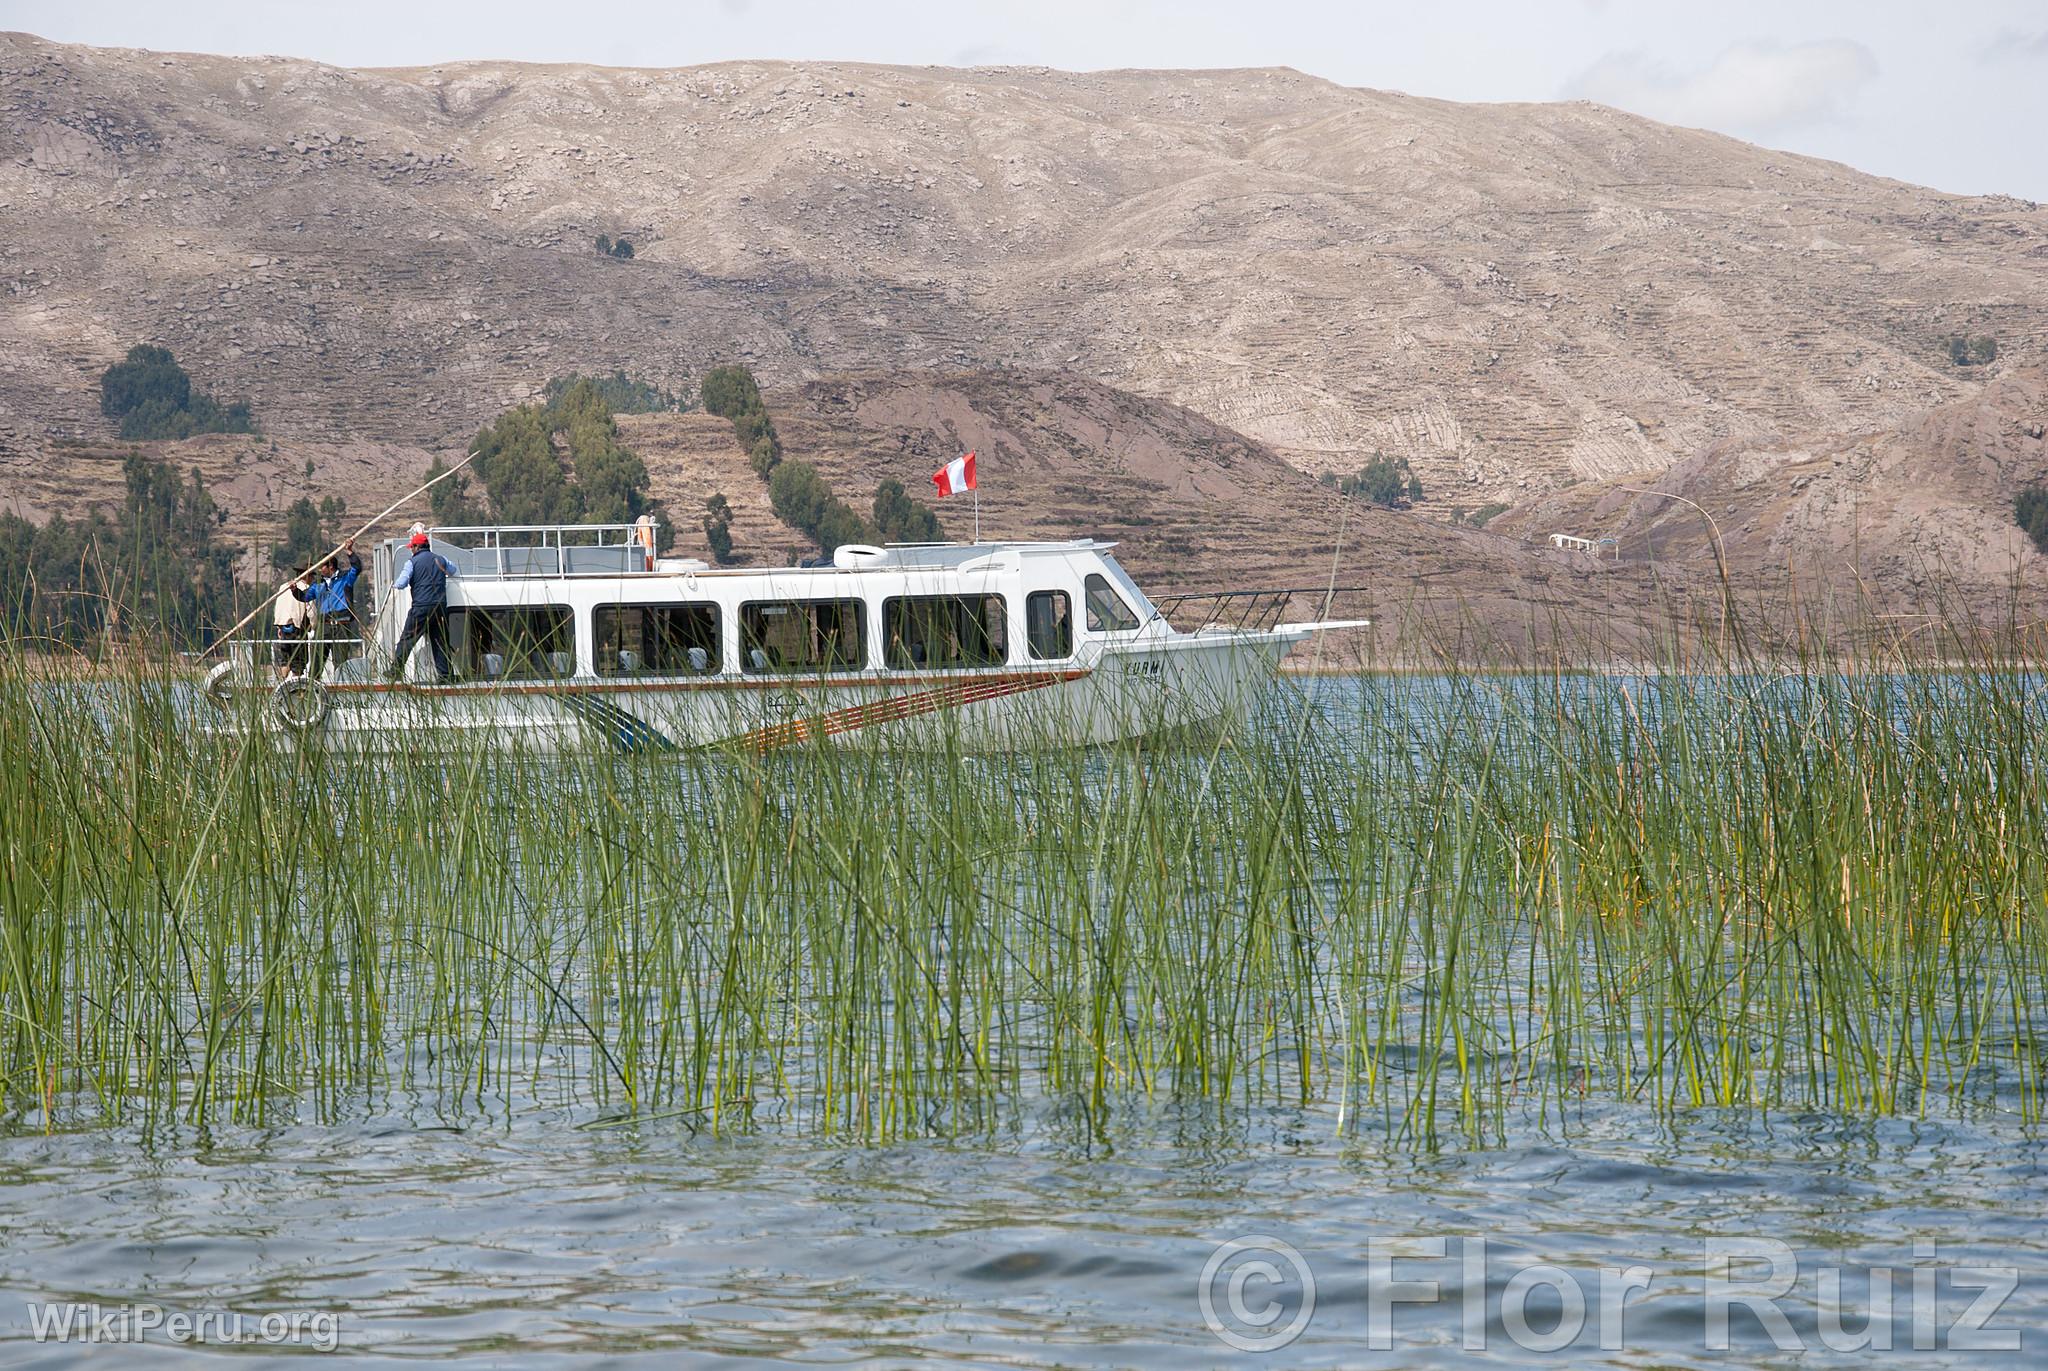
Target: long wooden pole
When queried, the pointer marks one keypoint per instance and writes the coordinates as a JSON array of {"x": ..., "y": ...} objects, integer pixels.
[{"x": 388, "y": 511}]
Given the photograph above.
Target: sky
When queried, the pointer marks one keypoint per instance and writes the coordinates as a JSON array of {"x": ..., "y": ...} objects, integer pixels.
[{"x": 1949, "y": 96}]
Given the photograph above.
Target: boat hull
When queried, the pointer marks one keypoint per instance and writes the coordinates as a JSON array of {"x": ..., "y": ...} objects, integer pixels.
[{"x": 1158, "y": 687}]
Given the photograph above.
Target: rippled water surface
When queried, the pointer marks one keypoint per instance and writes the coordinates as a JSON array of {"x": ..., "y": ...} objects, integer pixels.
[
  {"x": 534, "y": 1240},
  {"x": 520, "y": 1224}
]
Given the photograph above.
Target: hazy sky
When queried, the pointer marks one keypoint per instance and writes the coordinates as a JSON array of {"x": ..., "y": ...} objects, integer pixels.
[{"x": 1949, "y": 95}]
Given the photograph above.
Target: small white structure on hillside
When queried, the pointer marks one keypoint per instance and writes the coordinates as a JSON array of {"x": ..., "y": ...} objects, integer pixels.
[{"x": 1592, "y": 547}]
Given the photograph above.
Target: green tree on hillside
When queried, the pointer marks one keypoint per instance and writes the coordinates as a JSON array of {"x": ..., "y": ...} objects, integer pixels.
[
  {"x": 624, "y": 394},
  {"x": 52, "y": 578},
  {"x": 453, "y": 504},
  {"x": 152, "y": 396},
  {"x": 1980, "y": 351},
  {"x": 1385, "y": 481},
  {"x": 523, "y": 477},
  {"x": 718, "y": 528},
  {"x": 752, "y": 427},
  {"x": 799, "y": 495},
  {"x": 2030, "y": 511},
  {"x": 803, "y": 501},
  {"x": 170, "y": 567},
  {"x": 157, "y": 568},
  {"x": 900, "y": 519},
  {"x": 611, "y": 481},
  {"x": 310, "y": 531},
  {"x": 559, "y": 463},
  {"x": 150, "y": 375},
  {"x": 729, "y": 391}
]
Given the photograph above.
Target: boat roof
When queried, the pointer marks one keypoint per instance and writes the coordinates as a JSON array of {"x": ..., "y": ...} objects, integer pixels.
[
  {"x": 956, "y": 554},
  {"x": 525, "y": 551}
]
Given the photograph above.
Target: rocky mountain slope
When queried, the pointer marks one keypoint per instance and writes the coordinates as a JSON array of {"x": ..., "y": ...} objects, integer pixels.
[
  {"x": 1912, "y": 519},
  {"x": 1511, "y": 295},
  {"x": 1193, "y": 507},
  {"x": 1158, "y": 295},
  {"x": 1197, "y": 507}
]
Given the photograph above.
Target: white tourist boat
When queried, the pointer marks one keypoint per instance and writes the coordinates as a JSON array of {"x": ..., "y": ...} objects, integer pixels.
[{"x": 568, "y": 636}]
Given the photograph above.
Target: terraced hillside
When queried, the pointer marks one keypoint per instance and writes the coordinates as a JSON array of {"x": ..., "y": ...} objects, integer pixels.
[
  {"x": 1511, "y": 295},
  {"x": 1193, "y": 506},
  {"x": 1906, "y": 522}
]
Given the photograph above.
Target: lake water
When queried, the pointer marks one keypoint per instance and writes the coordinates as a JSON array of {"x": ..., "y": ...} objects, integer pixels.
[
  {"x": 529, "y": 1232},
  {"x": 530, "y": 1241}
]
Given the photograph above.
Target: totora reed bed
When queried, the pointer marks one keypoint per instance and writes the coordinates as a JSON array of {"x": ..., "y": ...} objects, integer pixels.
[{"x": 1431, "y": 907}]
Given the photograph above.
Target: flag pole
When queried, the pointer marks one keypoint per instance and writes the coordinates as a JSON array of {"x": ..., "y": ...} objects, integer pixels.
[{"x": 977, "y": 514}]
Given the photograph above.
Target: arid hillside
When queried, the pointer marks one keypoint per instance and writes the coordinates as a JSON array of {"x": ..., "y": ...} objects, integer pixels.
[
  {"x": 1161, "y": 300},
  {"x": 1511, "y": 295},
  {"x": 1193, "y": 507},
  {"x": 1914, "y": 518},
  {"x": 1197, "y": 507}
]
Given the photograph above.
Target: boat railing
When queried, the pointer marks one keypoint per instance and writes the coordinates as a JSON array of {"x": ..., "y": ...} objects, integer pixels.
[
  {"x": 528, "y": 550},
  {"x": 256, "y": 649},
  {"x": 1249, "y": 611}
]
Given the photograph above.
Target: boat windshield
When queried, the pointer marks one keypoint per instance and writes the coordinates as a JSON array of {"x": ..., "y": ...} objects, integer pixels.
[{"x": 1133, "y": 596}]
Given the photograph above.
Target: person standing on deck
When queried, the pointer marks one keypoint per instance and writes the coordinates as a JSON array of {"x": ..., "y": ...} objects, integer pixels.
[
  {"x": 294, "y": 617},
  {"x": 334, "y": 594},
  {"x": 426, "y": 575}
]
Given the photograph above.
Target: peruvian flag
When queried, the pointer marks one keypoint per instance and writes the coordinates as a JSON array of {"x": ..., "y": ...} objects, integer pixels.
[{"x": 955, "y": 476}]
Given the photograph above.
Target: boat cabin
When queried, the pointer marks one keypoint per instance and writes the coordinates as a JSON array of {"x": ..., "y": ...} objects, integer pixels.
[{"x": 552, "y": 602}]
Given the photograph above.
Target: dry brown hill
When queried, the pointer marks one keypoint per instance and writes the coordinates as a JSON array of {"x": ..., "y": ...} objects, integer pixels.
[
  {"x": 1509, "y": 294},
  {"x": 1193, "y": 506},
  {"x": 1517, "y": 297},
  {"x": 1916, "y": 517}
]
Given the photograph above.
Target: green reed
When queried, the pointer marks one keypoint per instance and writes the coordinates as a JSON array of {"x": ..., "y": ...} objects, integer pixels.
[{"x": 1425, "y": 905}]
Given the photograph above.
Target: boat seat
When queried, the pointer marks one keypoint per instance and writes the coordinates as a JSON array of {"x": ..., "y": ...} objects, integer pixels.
[
  {"x": 561, "y": 663},
  {"x": 587, "y": 560},
  {"x": 629, "y": 660},
  {"x": 494, "y": 665}
]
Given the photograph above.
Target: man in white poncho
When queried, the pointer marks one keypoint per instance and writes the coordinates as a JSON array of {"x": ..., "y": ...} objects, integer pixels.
[{"x": 294, "y": 622}]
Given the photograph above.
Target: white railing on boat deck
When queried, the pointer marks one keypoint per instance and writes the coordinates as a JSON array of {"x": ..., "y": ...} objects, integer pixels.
[{"x": 509, "y": 550}]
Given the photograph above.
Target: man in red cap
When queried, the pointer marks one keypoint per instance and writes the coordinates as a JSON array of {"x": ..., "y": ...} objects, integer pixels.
[{"x": 426, "y": 575}]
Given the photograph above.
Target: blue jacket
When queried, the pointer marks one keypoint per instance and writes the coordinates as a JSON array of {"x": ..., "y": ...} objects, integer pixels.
[
  {"x": 427, "y": 574},
  {"x": 337, "y": 594}
]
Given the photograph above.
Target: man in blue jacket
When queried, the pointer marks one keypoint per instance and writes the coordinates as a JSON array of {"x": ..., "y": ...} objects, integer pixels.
[
  {"x": 426, "y": 575},
  {"x": 334, "y": 595}
]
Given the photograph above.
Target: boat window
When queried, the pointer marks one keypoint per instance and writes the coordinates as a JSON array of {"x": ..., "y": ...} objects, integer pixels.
[
  {"x": 512, "y": 643},
  {"x": 655, "y": 640},
  {"x": 801, "y": 635},
  {"x": 936, "y": 631},
  {"x": 1127, "y": 590},
  {"x": 1107, "y": 613},
  {"x": 1049, "y": 624}
]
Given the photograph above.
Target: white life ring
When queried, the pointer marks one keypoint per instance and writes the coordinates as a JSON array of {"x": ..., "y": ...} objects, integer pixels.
[
  {"x": 857, "y": 554},
  {"x": 221, "y": 683},
  {"x": 300, "y": 703}
]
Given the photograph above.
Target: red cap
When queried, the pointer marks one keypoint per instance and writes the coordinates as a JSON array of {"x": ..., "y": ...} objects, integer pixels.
[{"x": 419, "y": 540}]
